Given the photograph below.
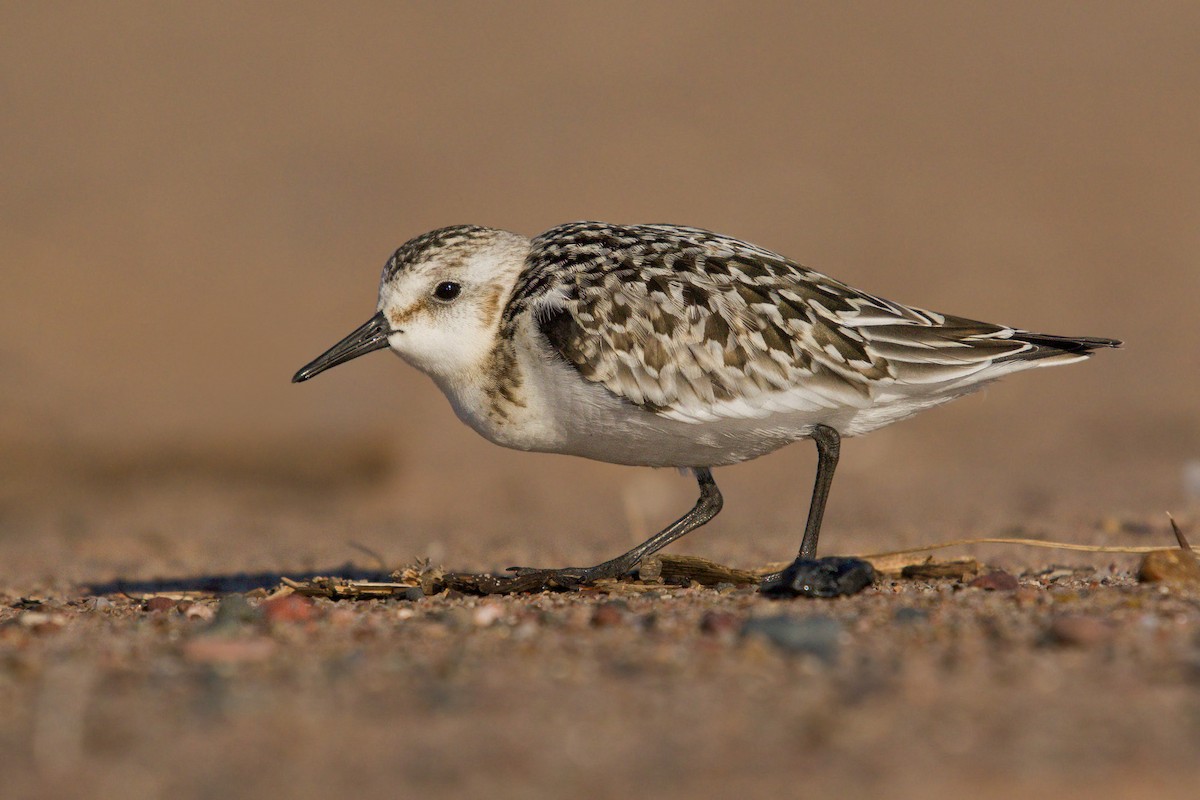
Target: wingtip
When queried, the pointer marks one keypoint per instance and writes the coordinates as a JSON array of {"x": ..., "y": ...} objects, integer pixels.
[{"x": 1081, "y": 345}]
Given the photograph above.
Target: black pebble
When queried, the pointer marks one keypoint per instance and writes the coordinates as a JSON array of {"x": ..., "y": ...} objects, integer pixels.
[{"x": 833, "y": 576}]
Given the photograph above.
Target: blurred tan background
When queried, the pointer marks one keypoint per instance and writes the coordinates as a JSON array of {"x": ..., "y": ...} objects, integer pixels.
[{"x": 197, "y": 199}]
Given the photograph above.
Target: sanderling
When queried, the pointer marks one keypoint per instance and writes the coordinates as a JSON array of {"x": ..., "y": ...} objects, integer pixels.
[{"x": 662, "y": 345}]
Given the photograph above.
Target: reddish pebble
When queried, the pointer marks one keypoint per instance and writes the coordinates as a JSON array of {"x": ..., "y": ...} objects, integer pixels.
[
  {"x": 998, "y": 581},
  {"x": 289, "y": 608},
  {"x": 159, "y": 604},
  {"x": 608, "y": 614}
]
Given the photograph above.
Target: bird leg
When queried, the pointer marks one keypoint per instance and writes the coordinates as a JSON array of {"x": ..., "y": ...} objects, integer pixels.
[
  {"x": 707, "y": 507},
  {"x": 829, "y": 445}
]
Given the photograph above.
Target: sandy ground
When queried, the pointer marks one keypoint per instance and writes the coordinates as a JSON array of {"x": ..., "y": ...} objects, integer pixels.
[
  {"x": 123, "y": 671},
  {"x": 197, "y": 200}
]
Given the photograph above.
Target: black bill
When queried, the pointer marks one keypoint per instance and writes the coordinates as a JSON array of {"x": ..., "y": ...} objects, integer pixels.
[{"x": 370, "y": 336}]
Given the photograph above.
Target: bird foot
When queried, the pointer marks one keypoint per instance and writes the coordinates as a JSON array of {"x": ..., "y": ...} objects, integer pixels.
[
  {"x": 566, "y": 578},
  {"x": 530, "y": 579},
  {"x": 831, "y": 576}
]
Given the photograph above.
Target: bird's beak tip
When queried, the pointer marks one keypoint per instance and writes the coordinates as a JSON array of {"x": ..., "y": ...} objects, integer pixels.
[{"x": 368, "y": 337}]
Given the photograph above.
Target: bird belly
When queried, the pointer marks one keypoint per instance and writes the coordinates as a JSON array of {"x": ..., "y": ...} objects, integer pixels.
[
  {"x": 570, "y": 415},
  {"x": 559, "y": 411}
]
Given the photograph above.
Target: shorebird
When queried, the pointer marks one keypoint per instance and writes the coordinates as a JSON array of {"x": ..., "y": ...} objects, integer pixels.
[{"x": 670, "y": 346}]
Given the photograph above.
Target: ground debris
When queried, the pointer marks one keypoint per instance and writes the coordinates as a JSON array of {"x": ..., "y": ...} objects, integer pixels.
[
  {"x": 422, "y": 579},
  {"x": 679, "y": 569},
  {"x": 346, "y": 589},
  {"x": 930, "y": 570}
]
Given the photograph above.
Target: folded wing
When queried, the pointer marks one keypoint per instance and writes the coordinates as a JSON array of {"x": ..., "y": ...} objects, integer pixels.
[{"x": 696, "y": 326}]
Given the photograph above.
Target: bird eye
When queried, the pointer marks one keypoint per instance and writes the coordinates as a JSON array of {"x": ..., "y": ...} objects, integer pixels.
[{"x": 447, "y": 291}]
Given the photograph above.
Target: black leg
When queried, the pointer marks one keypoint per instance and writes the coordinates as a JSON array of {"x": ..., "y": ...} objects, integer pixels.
[
  {"x": 707, "y": 507},
  {"x": 829, "y": 445}
]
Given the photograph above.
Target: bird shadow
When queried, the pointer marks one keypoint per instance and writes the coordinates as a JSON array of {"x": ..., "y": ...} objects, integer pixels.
[{"x": 230, "y": 583}]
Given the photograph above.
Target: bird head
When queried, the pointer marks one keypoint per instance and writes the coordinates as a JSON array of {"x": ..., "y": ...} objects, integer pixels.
[{"x": 440, "y": 301}]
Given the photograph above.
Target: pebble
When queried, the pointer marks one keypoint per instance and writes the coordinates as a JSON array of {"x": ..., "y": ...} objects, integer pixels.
[
  {"x": 1080, "y": 630},
  {"x": 832, "y": 576},
  {"x": 815, "y": 636},
  {"x": 1170, "y": 566},
  {"x": 159, "y": 605},
  {"x": 98, "y": 604},
  {"x": 288, "y": 608},
  {"x": 997, "y": 581}
]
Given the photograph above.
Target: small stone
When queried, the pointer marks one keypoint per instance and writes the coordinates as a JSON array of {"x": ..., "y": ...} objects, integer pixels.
[
  {"x": 832, "y": 576},
  {"x": 1080, "y": 630},
  {"x": 288, "y": 608},
  {"x": 608, "y": 614},
  {"x": 996, "y": 581},
  {"x": 98, "y": 604},
  {"x": 815, "y": 636},
  {"x": 413, "y": 593},
  {"x": 159, "y": 605},
  {"x": 1170, "y": 566},
  {"x": 718, "y": 623}
]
